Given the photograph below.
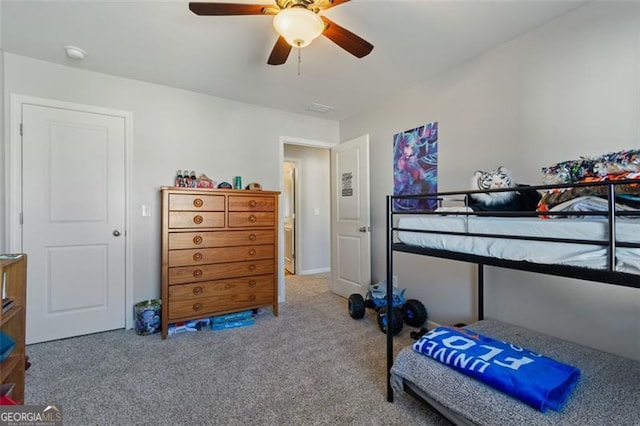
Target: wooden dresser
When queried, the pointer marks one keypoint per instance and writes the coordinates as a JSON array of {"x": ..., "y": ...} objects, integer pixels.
[{"x": 219, "y": 252}]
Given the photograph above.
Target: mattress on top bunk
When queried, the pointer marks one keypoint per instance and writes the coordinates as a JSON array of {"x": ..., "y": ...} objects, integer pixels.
[
  {"x": 607, "y": 392},
  {"x": 593, "y": 256}
]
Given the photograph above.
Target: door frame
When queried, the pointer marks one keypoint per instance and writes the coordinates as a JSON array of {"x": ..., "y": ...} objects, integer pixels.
[
  {"x": 13, "y": 177},
  {"x": 296, "y": 209},
  {"x": 287, "y": 140}
]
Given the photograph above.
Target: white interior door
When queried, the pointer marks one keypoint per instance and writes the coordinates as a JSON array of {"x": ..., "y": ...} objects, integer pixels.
[
  {"x": 350, "y": 223},
  {"x": 290, "y": 216},
  {"x": 73, "y": 186}
]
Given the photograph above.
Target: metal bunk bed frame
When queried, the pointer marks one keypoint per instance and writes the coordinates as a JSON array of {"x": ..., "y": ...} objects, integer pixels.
[{"x": 608, "y": 275}]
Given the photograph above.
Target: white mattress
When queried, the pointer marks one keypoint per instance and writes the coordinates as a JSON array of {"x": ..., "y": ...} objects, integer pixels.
[{"x": 593, "y": 256}]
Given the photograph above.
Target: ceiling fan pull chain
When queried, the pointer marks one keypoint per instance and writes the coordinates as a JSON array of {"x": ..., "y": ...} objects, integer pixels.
[{"x": 299, "y": 61}]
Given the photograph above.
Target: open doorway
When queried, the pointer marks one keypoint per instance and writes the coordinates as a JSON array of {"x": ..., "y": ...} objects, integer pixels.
[
  {"x": 306, "y": 216},
  {"x": 289, "y": 199}
]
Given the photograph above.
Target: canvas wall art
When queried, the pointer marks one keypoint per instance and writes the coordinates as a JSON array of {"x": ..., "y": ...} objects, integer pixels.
[{"x": 415, "y": 167}]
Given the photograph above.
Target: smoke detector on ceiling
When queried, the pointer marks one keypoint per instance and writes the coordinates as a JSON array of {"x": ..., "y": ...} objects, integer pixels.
[{"x": 74, "y": 52}]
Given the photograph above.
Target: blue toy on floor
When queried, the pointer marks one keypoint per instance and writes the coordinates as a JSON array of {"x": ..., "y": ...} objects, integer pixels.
[{"x": 410, "y": 311}]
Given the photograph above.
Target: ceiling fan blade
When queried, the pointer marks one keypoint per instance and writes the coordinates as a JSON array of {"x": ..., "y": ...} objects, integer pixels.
[
  {"x": 221, "y": 9},
  {"x": 346, "y": 39},
  {"x": 331, "y": 3},
  {"x": 280, "y": 52}
]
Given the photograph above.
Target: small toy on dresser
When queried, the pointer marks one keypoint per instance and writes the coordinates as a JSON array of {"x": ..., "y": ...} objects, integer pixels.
[
  {"x": 189, "y": 180},
  {"x": 185, "y": 179},
  {"x": 205, "y": 182}
]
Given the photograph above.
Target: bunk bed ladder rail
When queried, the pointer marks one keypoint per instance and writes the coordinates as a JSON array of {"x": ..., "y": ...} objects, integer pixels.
[
  {"x": 389, "y": 294},
  {"x": 611, "y": 193}
]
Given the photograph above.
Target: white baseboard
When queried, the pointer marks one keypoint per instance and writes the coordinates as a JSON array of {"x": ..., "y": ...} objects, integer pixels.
[
  {"x": 431, "y": 324},
  {"x": 314, "y": 271}
]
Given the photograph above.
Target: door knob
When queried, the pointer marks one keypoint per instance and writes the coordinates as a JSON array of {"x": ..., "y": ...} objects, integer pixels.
[
  {"x": 363, "y": 229},
  {"x": 116, "y": 233}
]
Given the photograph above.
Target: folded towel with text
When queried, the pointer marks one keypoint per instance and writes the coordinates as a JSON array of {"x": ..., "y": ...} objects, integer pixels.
[{"x": 530, "y": 377}]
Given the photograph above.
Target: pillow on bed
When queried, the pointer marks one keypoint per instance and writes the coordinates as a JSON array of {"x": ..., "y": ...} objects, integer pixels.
[
  {"x": 522, "y": 200},
  {"x": 525, "y": 199}
]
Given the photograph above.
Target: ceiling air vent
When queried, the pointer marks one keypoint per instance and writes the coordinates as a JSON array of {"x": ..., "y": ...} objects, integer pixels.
[{"x": 319, "y": 108}]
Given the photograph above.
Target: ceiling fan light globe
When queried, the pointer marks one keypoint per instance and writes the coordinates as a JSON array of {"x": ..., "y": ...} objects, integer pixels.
[{"x": 299, "y": 26}]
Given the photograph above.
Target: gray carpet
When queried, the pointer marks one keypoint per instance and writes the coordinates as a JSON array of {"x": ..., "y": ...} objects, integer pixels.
[{"x": 312, "y": 365}]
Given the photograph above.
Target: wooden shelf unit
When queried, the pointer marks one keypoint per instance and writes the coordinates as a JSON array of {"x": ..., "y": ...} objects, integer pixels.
[{"x": 13, "y": 276}]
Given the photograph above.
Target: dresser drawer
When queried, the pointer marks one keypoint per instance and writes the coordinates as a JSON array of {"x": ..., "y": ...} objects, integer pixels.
[
  {"x": 248, "y": 203},
  {"x": 219, "y": 255},
  {"x": 187, "y": 274},
  {"x": 223, "y": 289},
  {"x": 187, "y": 240},
  {"x": 202, "y": 298},
  {"x": 246, "y": 219},
  {"x": 182, "y": 202},
  {"x": 196, "y": 220}
]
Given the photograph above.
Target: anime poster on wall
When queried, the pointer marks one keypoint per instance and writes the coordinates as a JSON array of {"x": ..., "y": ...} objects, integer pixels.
[{"x": 415, "y": 167}]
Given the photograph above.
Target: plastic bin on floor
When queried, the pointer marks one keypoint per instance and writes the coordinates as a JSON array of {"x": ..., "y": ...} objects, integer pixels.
[{"x": 147, "y": 316}]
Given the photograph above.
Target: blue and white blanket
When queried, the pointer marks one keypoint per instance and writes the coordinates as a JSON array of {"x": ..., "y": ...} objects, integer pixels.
[{"x": 528, "y": 376}]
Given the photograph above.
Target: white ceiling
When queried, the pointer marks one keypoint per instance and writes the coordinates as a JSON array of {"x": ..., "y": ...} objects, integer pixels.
[{"x": 163, "y": 42}]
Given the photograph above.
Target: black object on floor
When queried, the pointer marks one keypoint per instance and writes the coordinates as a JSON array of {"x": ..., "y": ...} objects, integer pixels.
[{"x": 418, "y": 334}]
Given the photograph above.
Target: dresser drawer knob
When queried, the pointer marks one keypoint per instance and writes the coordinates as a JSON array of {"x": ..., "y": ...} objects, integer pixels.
[
  {"x": 197, "y": 257},
  {"x": 253, "y": 203},
  {"x": 252, "y": 252},
  {"x": 197, "y": 273},
  {"x": 252, "y": 297},
  {"x": 252, "y": 283},
  {"x": 253, "y": 237},
  {"x": 197, "y": 240},
  {"x": 197, "y": 219},
  {"x": 252, "y": 219},
  {"x": 198, "y": 202},
  {"x": 252, "y": 267},
  {"x": 197, "y": 307},
  {"x": 197, "y": 290}
]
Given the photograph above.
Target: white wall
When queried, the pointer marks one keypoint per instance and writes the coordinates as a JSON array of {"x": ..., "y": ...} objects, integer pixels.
[
  {"x": 314, "y": 230},
  {"x": 173, "y": 129},
  {"x": 569, "y": 88}
]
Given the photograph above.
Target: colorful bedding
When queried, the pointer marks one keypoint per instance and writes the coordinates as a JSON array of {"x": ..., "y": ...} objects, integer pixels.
[
  {"x": 574, "y": 171},
  {"x": 625, "y": 193}
]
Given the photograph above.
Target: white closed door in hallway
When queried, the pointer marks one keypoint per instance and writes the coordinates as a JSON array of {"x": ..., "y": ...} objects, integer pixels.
[
  {"x": 73, "y": 206},
  {"x": 350, "y": 223}
]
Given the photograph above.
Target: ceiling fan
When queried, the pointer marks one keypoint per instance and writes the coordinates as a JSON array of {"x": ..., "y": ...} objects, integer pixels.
[{"x": 297, "y": 22}]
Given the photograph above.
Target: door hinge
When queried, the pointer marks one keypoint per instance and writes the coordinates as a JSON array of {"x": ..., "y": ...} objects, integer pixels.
[
  {"x": 20, "y": 218},
  {"x": 21, "y": 130}
]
